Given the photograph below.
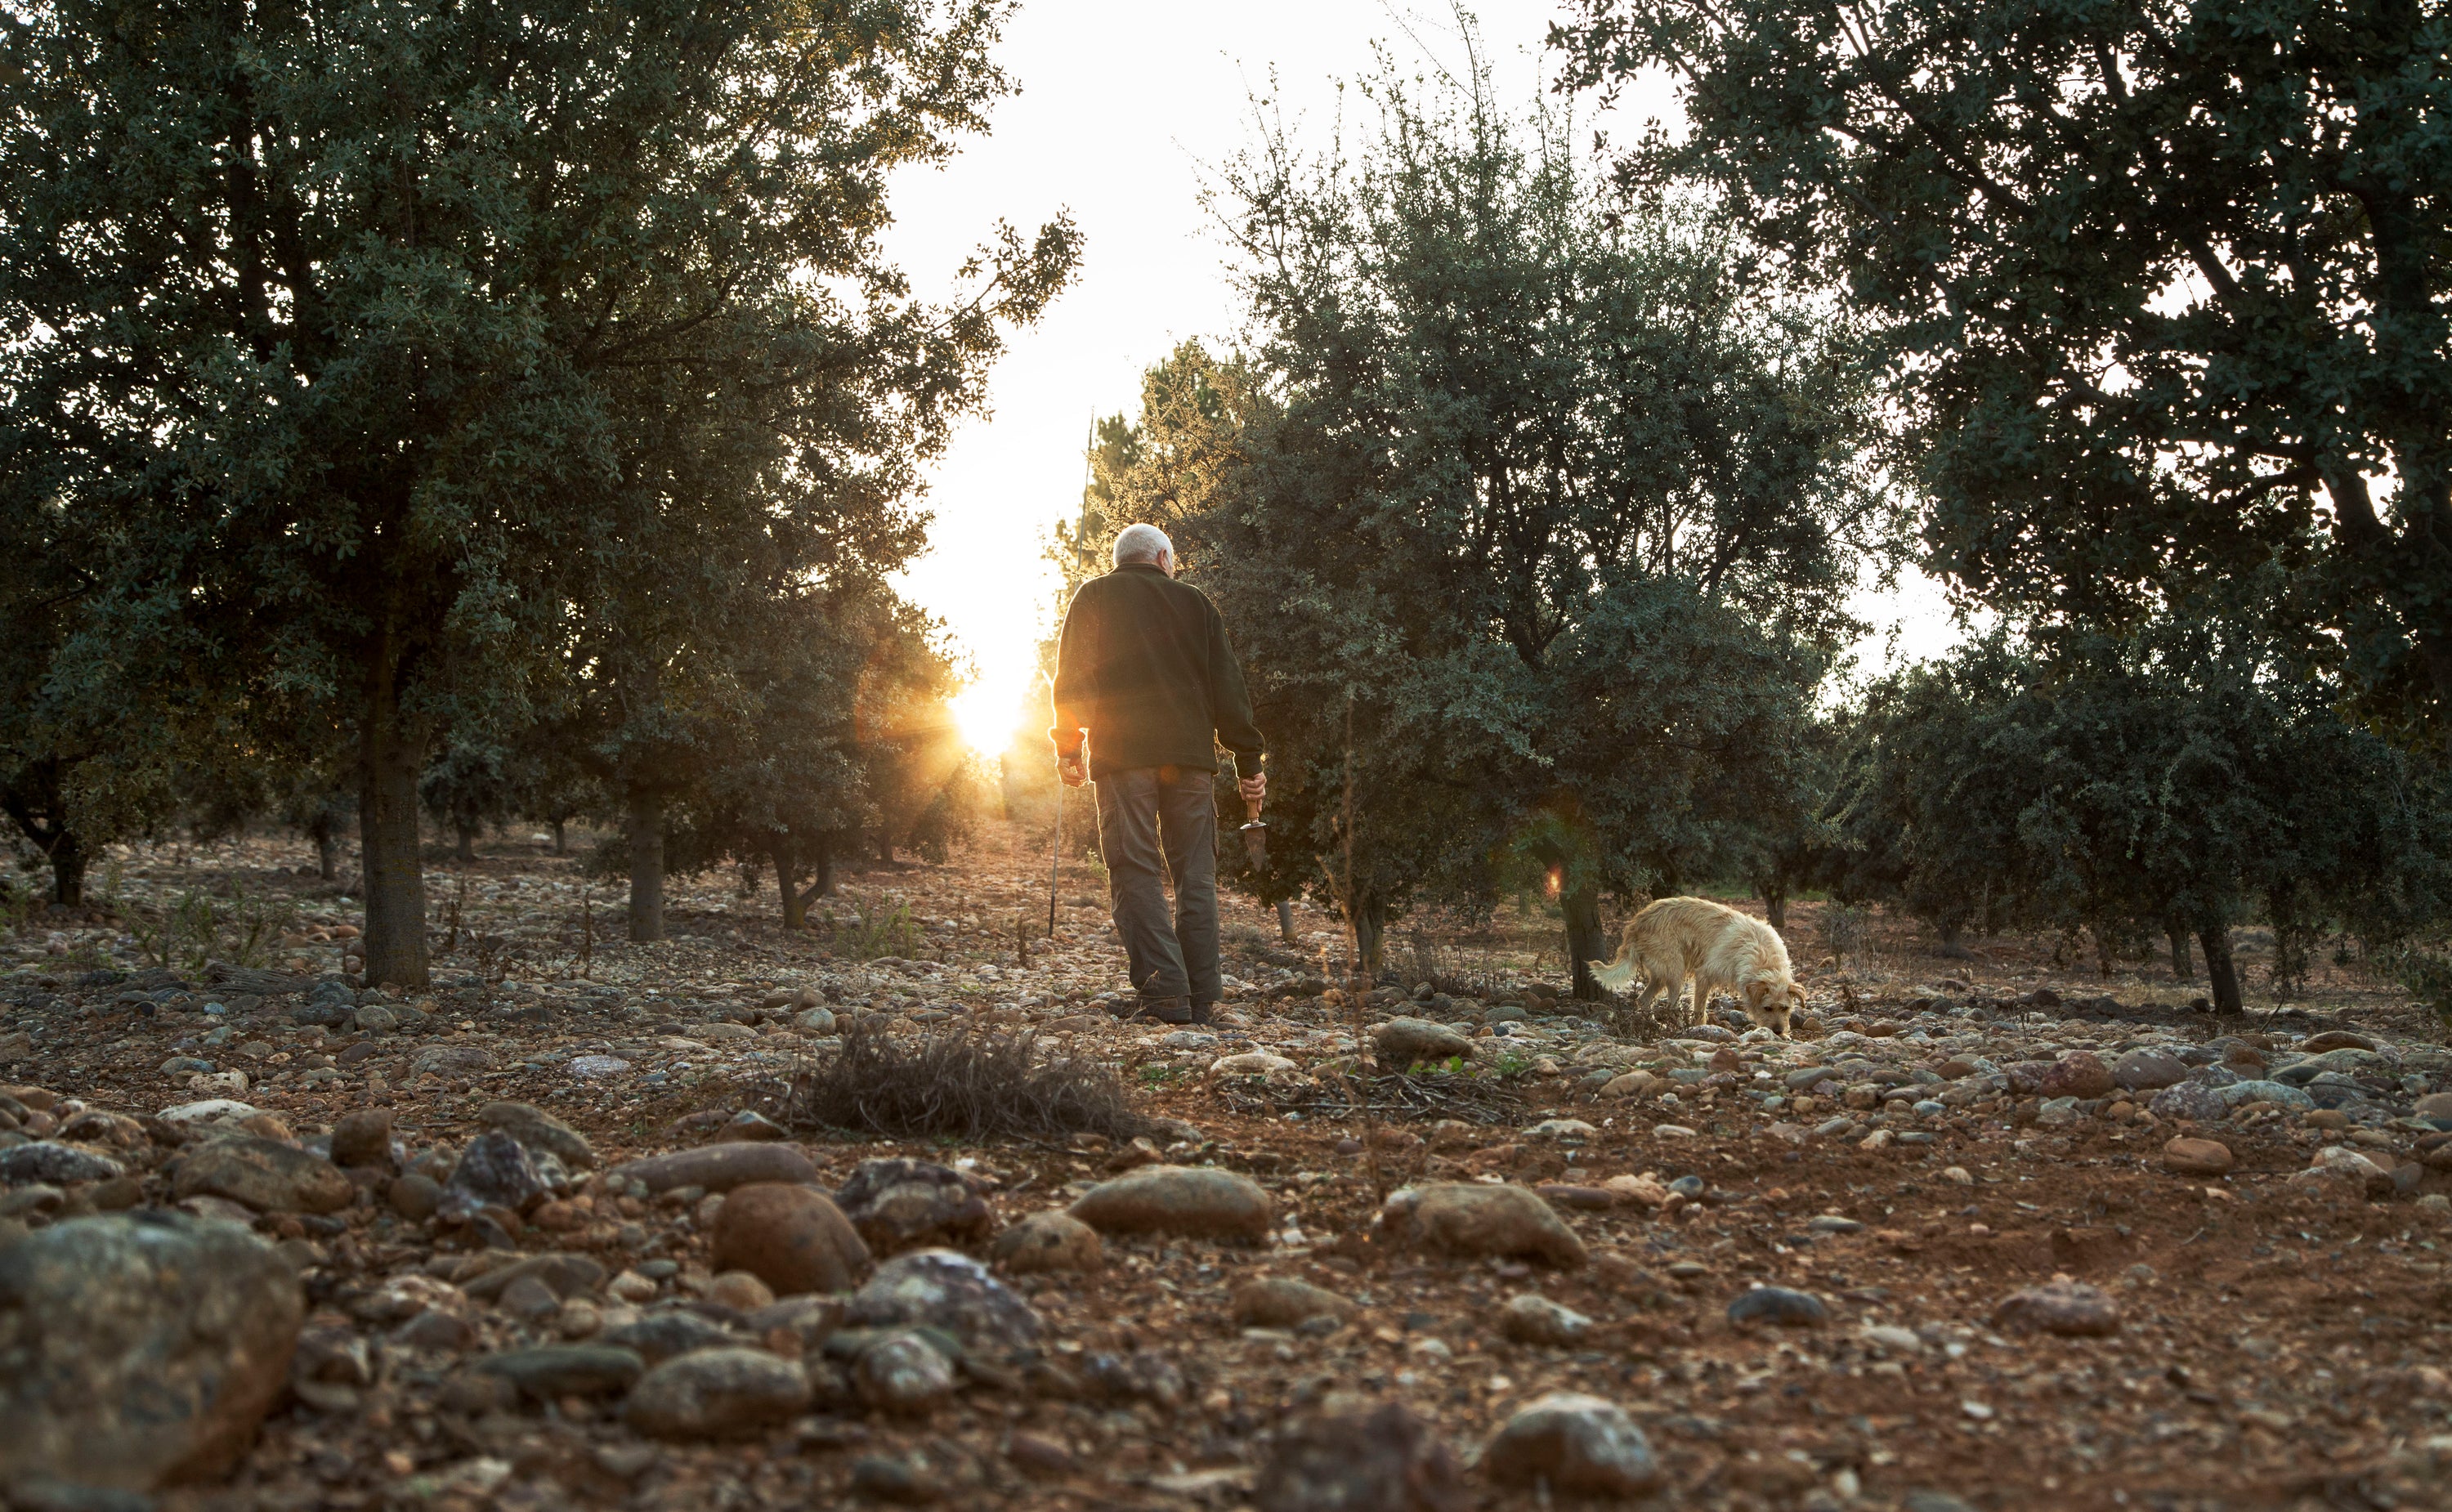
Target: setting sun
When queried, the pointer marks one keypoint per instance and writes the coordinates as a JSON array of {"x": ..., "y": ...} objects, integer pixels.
[{"x": 990, "y": 710}]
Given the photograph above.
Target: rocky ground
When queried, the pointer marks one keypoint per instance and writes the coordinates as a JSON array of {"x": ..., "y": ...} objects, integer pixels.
[{"x": 1988, "y": 1233}]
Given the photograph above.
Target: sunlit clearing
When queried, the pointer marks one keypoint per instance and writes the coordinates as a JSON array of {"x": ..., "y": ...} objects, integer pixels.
[{"x": 989, "y": 711}]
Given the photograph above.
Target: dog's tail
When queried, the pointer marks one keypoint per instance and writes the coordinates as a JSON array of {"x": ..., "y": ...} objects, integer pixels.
[{"x": 1616, "y": 975}]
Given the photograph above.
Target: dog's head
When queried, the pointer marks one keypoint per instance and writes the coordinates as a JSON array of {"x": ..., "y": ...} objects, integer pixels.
[{"x": 1769, "y": 1003}]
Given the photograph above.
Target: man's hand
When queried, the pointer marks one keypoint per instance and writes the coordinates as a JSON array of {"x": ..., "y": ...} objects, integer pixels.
[
  {"x": 1254, "y": 789},
  {"x": 1073, "y": 769}
]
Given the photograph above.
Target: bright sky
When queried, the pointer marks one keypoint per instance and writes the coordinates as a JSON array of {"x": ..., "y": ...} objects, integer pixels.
[{"x": 1123, "y": 107}]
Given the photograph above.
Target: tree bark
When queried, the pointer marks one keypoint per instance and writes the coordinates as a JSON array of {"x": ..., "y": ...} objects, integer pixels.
[
  {"x": 1586, "y": 942},
  {"x": 465, "y": 848},
  {"x": 40, "y": 809},
  {"x": 561, "y": 837},
  {"x": 647, "y": 863},
  {"x": 2220, "y": 973},
  {"x": 780, "y": 851},
  {"x": 328, "y": 847},
  {"x": 1286, "y": 919},
  {"x": 1775, "y": 907},
  {"x": 68, "y": 869},
  {"x": 885, "y": 845},
  {"x": 1370, "y": 924},
  {"x": 825, "y": 864},
  {"x": 2183, "y": 968},
  {"x": 388, "y": 762}
]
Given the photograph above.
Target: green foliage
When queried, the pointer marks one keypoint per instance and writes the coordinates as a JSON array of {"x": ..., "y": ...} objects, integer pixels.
[
  {"x": 1533, "y": 527},
  {"x": 197, "y": 926},
  {"x": 873, "y": 928},
  {"x": 2173, "y": 782},
  {"x": 582, "y": 344},
  {"x": 2161, "y": 287}
]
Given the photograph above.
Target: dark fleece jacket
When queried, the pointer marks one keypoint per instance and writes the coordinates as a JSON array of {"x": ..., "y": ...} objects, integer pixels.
[{"x": 1143, "y": 664}]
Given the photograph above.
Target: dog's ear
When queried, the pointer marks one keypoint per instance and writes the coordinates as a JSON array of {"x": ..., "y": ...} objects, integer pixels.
[{"x": 1753, "y": 994}]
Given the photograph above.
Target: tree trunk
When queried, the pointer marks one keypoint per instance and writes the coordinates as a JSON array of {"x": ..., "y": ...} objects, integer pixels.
[
  {"x": 328, "y": 847},
  {"x": 561, "y": 837},
  {"x": 2220, "y": 973},
  {"x": 1370, "y": 925},
  {"x": 68, "y": 869},
  {"x": 2183, "y": 970},
  {"x": 40, "y": 809},
  {"x": 647, "y": 864},
  {"x": 1775, "y": 907},
  {"x": 824, "y": 863},
  {"x": 780, "y": 851},
  {"x": 395, "y": 877},
  {"x": 1286, "y": 919},
  {"x": 465, "y": 849},
  {"x": 1586, "y": 942},
  {"x": 885, "y": 845},
  {"x": 2102, "y": 951}
]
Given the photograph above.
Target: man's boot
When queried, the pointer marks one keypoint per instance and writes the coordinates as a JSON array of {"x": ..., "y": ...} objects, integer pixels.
[{"x": 1161, "y": 1010}]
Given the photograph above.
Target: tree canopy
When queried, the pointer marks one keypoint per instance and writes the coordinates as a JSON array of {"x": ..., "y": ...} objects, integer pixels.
[
  {"x": 1534, "y": 513},
  {"x": 380, "y": 349},
  {"x": 2161, "y": 288}
]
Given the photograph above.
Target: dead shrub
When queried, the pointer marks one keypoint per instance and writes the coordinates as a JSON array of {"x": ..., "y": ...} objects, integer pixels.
[{"x": 970, "y": 1084}]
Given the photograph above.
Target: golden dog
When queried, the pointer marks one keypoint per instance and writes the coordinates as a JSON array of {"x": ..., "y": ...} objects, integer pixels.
[{"x": 1718, "y": 946}]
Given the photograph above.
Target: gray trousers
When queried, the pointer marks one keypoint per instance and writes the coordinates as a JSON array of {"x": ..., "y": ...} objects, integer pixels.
[{"x": 1154, "y": 816}]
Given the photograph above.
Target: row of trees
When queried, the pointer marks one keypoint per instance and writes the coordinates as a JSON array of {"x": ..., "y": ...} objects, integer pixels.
[
  {"x": 1536, "y": 511},
  {"x": 1534, "y": 525},
  {"x": 2170, "y": 783},
  {"x": 504, "y": 399}
]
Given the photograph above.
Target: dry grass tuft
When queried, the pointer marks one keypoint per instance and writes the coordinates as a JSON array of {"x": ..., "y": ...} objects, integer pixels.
[{"x": 969, "y": 1084}]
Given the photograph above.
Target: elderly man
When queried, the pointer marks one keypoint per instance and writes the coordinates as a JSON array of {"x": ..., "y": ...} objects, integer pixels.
[{"x": 1146, "y": 681}]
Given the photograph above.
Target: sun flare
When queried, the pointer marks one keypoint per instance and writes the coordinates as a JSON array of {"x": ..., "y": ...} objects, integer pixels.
[{"x": 989, "y": 710}]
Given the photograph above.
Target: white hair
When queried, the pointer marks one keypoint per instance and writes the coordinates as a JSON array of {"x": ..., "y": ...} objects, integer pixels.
[{"x": 1141, "y": 543}]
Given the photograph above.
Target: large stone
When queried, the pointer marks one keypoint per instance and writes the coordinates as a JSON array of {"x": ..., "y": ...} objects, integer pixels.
[
  {"x": 1535, "y": 1320},
  {"x": 1403, "y": 1042},
  {"x": 139, "y": 1350},
  {"x": 2071, "y": 1309},
  {"x": 903, "y": 1372},
  {"x": 2195, "y": 1157},
  {"x": 903, "y": 1204},
  {"x": 1281, "y": 1302},
  {"x": 451, "y": 1060},
  {"x": 2435, "y": 1108},
  {"x": 717, "y": 1394},
  {"x": 1579, "y": 1444},
  {"x": 1474, "y": 1220},
  {"x": 721, "y": 1167},
  {"x": 1197, "y": 1201},
  {"x": 264, "y": 1174},
  {"x": 1051, "y": 1241},
  {"x": 53, "y": 1164},
  {"x": 791, "y": 1238},
  {"x": 1383, "y": 1459},
  {"x": 2148, "y": 1069},
  {"x": 363, "y": 1138},
  {"x": 2188, "y": 1102},
  {"x": 540, "y": 1133},
  {"x": 669, "y": 1334},
  {"x": 2080, "y": 1073},
  {"x": 2239, "y": 1094},
  {"x": 949, "y": 1292},
  {"x": 563, "y": 1274},
  {"x": 555, "y": 1371},
  {"x": 494, "y": 1171},
  {"x": 1778, "y": 1304}
]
